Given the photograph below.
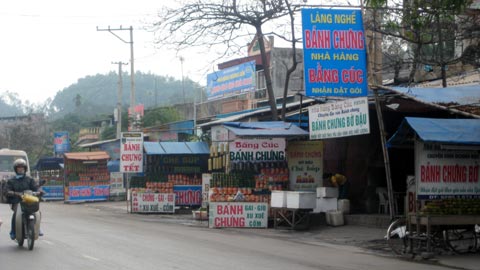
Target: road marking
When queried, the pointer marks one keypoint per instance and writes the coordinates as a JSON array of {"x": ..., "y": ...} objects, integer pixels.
[{"x": 91, "y": 258}]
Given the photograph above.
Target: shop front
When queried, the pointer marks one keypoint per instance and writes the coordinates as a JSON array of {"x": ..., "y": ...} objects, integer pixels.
[
  {"x": 173, "y": 177},
  {"x": 50, "y": 170},
  {"x": 445, "y": 190},
  {"x": 248, "y": 161},
  {"x": 86, "y": 176}
]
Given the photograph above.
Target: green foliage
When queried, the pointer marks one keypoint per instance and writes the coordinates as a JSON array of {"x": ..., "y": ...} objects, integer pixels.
[
  {"x": 97, "y": 94},
  {"x": 452, "y": 5},
  {"x": 109, "y": 133},
  {"x": 159, "y": 116},
  {"x": 71, "y": 123}
]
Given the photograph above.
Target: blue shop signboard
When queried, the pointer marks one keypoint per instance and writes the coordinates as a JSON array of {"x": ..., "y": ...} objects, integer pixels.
[
  {"x": 334, "y": 52},
  {"x": 188, "y": 195}
]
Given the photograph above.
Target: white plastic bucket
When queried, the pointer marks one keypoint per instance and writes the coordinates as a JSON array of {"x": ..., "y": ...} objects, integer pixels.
[
  {"x": 343, "y": 206},
  {"x": 335, "y": 218}
]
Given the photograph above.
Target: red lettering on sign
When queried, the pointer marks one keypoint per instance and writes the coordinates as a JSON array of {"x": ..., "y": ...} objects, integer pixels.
[
  {"x": 131, "y": 147},
  {"x": 229, "y": 209},
  {"x": 454, "y": 173},
  {"x": 229, "y": 222},
  {"x": 430, "y": 173},
  {"x": 148, "y": 197}
]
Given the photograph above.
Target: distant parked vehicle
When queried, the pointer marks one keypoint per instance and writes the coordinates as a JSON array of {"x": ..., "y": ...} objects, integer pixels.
[{"x": 7, "y": 157}]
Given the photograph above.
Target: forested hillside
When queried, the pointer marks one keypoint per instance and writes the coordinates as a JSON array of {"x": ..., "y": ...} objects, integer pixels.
[{"x": 93, "y": 95}]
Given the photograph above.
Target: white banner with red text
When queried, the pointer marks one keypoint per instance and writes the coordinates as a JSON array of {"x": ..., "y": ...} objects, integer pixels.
[
  {"x": 131, "y": 152},
  {"x": 149, "y": 202},
  {"x": 446, "y": 173},
  {"x": 238, "y": 215}
]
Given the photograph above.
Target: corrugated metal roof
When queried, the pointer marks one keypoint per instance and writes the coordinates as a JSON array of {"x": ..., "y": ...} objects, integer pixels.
[
  {"x": 97, "y": 143},
  {"x": 175, "y": 148},
  {"x": 87, "y": 155},
  {"x": 447, "y": 131},
  {"x": 153, "y": 148},
  {"x": 267, "y": 128},
  {"x": 241, "y": 115}
]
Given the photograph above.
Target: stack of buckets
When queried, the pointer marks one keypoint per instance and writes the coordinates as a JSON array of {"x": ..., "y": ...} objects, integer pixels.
[{"x": 335, "y": 218}]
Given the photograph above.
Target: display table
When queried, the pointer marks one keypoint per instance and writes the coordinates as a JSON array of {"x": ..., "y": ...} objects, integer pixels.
[
  {"x": 439, "y": 223},
  {"x": 292, "y": 218}
]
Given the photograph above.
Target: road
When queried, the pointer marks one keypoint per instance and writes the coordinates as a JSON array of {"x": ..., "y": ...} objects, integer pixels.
[{"x": 83, "y": 236}]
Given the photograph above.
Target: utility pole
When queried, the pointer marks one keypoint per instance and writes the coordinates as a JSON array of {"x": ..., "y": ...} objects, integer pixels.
[
  {"x": 374, "y": 78},
  {"x": 132, "y": 69},
  {"x": 119, "y": 98},
  {"x": 183, "y": 83}
]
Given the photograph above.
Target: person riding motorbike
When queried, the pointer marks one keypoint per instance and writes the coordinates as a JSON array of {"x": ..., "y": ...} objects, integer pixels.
[{"x": 19, "y": 183}]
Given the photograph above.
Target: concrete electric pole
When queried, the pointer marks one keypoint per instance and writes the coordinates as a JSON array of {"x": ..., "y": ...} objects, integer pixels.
[
  {"x": 119, "y": 98},
  {"x": 132, "y": 69}
]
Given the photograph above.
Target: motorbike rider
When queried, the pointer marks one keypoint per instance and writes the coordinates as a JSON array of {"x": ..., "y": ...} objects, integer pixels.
[{"x": 19, "y": 183}]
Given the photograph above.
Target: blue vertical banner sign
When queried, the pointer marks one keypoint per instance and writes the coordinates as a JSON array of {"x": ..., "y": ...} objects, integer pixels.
[
  {"x": 61, "y": 142},
  {"x": 334, "y": 52}
]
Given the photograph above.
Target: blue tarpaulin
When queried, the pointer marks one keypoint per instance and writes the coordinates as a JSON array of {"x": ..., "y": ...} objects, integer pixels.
[
  {"x": 268, "y": 128},
  {"x": 49, "y": 163},
  {"x": 446, "y": 131},
  {"x": 113, "y": 165},
  {"x": 457, "y": 94},
  {"x": 175, "y": 148}
]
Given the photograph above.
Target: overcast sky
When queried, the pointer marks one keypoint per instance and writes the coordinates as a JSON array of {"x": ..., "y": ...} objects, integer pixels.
[{"x": 48, "y": 45}]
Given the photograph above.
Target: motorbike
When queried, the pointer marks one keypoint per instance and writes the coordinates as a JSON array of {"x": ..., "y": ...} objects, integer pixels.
[{"x": 27, "y": 218}]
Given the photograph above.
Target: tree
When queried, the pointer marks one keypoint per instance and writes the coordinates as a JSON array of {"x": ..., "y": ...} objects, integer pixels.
[
  {"x": 433, "y": 29},
  {"x": 160, "y": 116},
  {"x": 29, "y": 133},
  {"x": 211, "y": 23}
]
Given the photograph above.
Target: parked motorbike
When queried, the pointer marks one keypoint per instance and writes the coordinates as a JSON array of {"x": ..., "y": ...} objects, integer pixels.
[{"x": 27, "y": 218}]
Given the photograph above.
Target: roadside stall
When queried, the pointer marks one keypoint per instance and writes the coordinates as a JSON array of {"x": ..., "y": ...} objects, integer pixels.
[
  {"x": 50, "y": 169},
  {"x": 86, "y": 176},
  {"x": 173, "y": 177},
  {"x": 248, "y": 162},
  {"x": 444, "y": 194}
]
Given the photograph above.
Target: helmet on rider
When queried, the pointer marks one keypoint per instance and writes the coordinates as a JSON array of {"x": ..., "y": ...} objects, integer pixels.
[{"x": 20, "y": 163}]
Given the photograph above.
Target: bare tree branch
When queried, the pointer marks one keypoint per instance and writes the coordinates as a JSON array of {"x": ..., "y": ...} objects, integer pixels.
[{"x": 211, "y": 24}]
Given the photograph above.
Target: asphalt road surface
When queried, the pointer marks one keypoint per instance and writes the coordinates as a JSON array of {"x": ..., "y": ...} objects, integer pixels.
[{"x": 83, "y": 236}]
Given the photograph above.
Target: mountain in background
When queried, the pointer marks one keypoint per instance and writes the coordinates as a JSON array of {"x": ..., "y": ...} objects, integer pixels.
[{"x": 94, "y": 95}]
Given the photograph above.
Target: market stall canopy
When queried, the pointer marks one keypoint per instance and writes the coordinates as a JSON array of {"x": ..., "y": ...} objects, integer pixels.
[
  {"x": 457, "y": 94},
  {"x": 265, "y": 129},
  {"x": 175, "y": 148},
  {"x": 113, "y": 165},
  {"x": 445, "y": 131},
  {"x": 87, "y": 155},
  {"x": 49, "y": 163}
]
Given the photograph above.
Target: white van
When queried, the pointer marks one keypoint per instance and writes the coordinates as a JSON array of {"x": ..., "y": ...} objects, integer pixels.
[{"x": 7, "y": 157}]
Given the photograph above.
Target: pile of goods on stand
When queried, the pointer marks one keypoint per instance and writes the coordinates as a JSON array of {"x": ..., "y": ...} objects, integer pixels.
[
  {"x": 172, "y": 181},
  {"x": 240, "y": 189},
  {"x": 86, "y": 180},
  {"x": 454, "y": 206}
]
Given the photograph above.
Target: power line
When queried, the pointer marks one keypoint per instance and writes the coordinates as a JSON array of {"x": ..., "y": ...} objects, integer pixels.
[{"x": 132, "y": 70}]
